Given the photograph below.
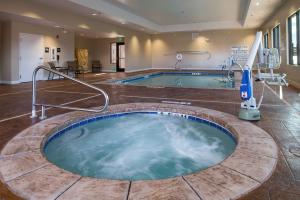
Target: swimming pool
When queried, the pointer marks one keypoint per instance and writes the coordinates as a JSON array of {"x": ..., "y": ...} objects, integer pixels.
[
  {"x": 140, "y": 146},
  {"x": 182, "y": 80}
]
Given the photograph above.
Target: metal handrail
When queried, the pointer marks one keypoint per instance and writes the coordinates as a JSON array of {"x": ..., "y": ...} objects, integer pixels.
[{"x": 43, "y": 116}]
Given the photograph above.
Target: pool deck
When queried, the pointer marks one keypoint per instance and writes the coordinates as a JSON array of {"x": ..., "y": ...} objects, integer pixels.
[{"x": 280, "y": 119}]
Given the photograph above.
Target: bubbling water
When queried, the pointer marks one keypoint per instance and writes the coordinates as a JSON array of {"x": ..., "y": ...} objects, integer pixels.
[{"x": 140, "y": 147}]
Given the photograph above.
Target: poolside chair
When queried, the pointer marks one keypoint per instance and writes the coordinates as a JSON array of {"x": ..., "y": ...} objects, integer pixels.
[
  {"x": 74, "y": 68},
  {"x": 54, "y": 67},
  {"x": 96, "y": 66}
]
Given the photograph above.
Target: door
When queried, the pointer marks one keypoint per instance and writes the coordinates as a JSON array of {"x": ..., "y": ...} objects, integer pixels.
[
  {"x": 120, "y": 57},
  {"x": 31, "y": 49}
]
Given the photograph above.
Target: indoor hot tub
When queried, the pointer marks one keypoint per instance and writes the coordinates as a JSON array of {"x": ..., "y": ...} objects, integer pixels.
[
  {"x": 139, "y": 151},
  {"x": 139, "y": 146}
]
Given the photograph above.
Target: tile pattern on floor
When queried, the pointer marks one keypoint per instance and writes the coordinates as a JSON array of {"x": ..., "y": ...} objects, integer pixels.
[{"x": 278, "y": 119}]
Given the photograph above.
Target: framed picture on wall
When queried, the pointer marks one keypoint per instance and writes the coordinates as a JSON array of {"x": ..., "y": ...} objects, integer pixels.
[
  {"x": 47, "y": 49},
  {"x": 113, "y": 53},
  {"x": 58, "y": 50}
]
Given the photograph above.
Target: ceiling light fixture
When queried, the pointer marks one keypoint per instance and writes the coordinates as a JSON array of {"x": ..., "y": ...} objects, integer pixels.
[
  {"x": 94, "y": 14},
  {"x": 57, "y": 26},
  {"x": 257, "y": 3}
]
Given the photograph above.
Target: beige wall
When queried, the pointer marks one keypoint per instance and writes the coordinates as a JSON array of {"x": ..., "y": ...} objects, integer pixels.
[
  {"x": 87, "y": 43},
  {"x": 138, "y": 49},
  {"x": 99, "y": 49},
  {"x": 215, "y": 45},
  {"x": 138, "y": 52},
  {"x": 11, "y": 32},
  {"x": 6, "y": 69},
  {"x": 39, "y": 13},
  {"x": 1, "y": 51},
  {"x": 280, "y": 17},
  {"x": 103, "y": 53}
]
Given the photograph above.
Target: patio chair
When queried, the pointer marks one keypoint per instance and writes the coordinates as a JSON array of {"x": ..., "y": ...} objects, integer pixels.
[
  {"x": 74, "y": 68},
  {"x": 96, "y": 66},
  {"x": 54, "y": 67}
]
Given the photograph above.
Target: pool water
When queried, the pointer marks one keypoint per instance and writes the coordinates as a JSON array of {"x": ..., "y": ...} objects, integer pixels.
[
  {"x": 183, "y": 79},
  {"x": 140, "y": 146}
]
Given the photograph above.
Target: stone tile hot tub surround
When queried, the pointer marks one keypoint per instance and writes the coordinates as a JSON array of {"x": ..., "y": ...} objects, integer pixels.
[{"x": 27, "y": 173}]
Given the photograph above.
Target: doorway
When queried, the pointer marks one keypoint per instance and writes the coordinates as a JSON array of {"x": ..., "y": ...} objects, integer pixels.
[
  {"x": 31, "y": 50},
  {"x": 120, "y": 61}
]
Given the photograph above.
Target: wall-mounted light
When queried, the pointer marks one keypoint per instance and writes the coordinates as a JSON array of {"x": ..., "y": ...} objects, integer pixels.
[{"x": 83, "y": 26}]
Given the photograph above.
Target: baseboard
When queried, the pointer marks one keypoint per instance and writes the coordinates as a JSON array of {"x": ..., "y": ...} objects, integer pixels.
[
  {"x": 9, "y": 82},
  {"x": 137, "y": 70},
  {"x": 190, "y": 68}
]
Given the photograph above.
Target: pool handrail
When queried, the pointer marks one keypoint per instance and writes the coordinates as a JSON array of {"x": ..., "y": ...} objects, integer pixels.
[{"x": 43, "y": 116}]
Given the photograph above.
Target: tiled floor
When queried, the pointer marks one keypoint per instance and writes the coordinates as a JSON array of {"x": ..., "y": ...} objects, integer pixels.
[{"x": 281, "y": 119}]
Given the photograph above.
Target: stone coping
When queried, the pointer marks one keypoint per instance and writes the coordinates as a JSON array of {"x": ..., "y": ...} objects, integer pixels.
[{"x": 27, "y": 173}]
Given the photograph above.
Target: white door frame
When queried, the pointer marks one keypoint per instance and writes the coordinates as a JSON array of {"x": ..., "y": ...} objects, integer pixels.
[{"x": 41, "y": 75}]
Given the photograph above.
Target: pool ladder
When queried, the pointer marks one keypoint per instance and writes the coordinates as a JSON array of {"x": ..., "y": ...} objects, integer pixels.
[{"x": 44, "y": 106}]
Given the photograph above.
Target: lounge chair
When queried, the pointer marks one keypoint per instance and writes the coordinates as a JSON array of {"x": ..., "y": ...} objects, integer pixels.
[
  {"x": 96, "y": 66},
  {"x": 74, "y": 68},
  {"x": 54, "y": 67}
]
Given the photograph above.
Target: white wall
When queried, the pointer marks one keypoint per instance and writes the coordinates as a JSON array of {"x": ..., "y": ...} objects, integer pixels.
[
  {"x": 138, "y": 49},
  {"x": 291, "y": 6},
  {"x": 11, "y": 31},
  {"x": 32, "y": 10},
  {"x": 1, "y": 51},
  {"x": 6, "y": 70},
  {"x": 103, "y": 53},
  {"x": 217, "y": 44},
  {"x": 89, "y": 44}
]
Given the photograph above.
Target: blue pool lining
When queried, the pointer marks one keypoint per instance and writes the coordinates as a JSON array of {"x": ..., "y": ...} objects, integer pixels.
[
  {"x": 115, "y": 115},
  {"x": 146, "y": 76}
]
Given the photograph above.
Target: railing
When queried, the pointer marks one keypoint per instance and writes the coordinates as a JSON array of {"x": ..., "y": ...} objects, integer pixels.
[{"x": 44, "y": 106}]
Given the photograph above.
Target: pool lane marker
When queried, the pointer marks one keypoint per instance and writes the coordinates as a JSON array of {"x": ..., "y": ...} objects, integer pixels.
[{"x": 67, "y": 103}]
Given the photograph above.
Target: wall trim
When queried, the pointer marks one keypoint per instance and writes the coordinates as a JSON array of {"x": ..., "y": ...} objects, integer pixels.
[
  {"x": 9, "y": 82},
  {"x": 191, "y": 68},
  {"x": 138, "y": 70},
  {"x": 108, "y": 69}
]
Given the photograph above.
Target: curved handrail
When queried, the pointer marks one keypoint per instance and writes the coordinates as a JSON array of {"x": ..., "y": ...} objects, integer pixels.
[{"x": 34, "y": 104}]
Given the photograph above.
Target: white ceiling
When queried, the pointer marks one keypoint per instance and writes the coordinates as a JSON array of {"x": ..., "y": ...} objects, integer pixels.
[
  {"x": 159, "y": 16},
  {"x": 172, "y": 12},
  {"x": 185, "y": 15}
]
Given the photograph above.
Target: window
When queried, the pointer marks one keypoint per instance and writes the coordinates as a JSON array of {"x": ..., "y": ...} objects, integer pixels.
[
  {"x": 276, "y": 38},
  {"x": 294, "y": 39},
  {"x": 113, "y": 53},
  {"x": 266, "y": 40}
]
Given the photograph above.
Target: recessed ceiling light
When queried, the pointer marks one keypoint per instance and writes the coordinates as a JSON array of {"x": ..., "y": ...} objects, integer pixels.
[
  {"x": 57, "y": 26},
  {"x": 257, "y": 3},
  {"x": 94, "y": 14}
]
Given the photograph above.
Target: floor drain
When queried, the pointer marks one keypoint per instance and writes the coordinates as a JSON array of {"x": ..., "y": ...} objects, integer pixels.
[{"x": 295, "y": 151}]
